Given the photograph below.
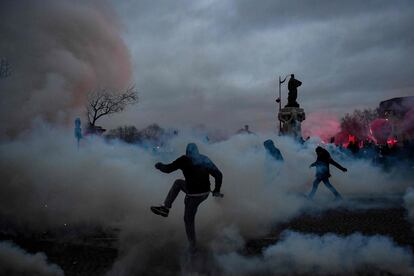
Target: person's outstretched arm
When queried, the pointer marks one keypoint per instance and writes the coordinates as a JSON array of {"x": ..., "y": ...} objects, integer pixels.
[
  {"x": 333, "y": 162},
  {"x": 168, "y": 168}
]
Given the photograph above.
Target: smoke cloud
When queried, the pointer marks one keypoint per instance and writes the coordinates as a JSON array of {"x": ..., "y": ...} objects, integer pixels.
[
  {"x": 14, "y": 261},
  {"x": 114, "y": 184},
  {"x": 58, "y": 51},
  {"x": 305, "y": 254}
]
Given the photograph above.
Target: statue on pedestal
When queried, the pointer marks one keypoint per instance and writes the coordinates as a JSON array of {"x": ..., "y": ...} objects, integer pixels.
[
  {"x": 293, "y": 85},
  {"x": 291, "y": 116}
]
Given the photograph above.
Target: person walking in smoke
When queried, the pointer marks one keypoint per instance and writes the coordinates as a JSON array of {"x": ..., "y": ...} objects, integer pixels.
[
  {"x": 322, "y": 171},
  {"x": 197, "y": 169}
]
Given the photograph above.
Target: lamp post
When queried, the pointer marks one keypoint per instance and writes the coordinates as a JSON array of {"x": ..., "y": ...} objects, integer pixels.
[{"x": 279, "y": 101}]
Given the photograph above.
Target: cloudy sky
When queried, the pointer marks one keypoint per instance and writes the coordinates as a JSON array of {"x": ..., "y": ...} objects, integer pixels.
[
  {"x": 217, "y": 62},
  {"x": 207, "y": 62}
]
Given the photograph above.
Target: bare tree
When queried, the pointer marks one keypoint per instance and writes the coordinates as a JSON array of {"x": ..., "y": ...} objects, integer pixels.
[
  {"x": 102, "y": 102},
  {"x": 128, "y": 134},
  {"x": 358, "y": 123}
]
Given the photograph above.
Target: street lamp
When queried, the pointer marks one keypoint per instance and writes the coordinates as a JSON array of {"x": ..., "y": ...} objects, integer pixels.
[{"x": 279, "y": 100}]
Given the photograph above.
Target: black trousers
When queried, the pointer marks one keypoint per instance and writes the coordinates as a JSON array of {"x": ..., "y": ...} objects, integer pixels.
[{"x": 191, "y": 206}]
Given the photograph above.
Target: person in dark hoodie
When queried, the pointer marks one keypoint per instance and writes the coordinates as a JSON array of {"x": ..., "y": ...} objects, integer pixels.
[
  {"x": 272, "y": 151},
  {"x": 273, "y": 162},
  {"x": 197, "y": 169},
  {"x": 322, "y": 171}
]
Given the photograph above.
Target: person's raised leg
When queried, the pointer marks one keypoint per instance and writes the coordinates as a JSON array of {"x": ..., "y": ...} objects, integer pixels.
[{"x": 179, "y": 185}]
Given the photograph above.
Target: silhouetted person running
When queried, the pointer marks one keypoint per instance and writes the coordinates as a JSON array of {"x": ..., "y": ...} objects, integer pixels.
[
  {"x": 197, "y": 169},
  {"x": 293, "y": 85},
  {"x": 322, "y": 171}
]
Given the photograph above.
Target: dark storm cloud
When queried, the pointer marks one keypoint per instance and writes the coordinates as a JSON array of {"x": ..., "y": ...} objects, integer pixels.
[
  {"x": 270, "y": 13},
  {"x": 208, "y": 60}
]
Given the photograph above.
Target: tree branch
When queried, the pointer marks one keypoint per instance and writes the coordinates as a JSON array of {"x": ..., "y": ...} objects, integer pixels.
[{"x": 102, "y": 103}]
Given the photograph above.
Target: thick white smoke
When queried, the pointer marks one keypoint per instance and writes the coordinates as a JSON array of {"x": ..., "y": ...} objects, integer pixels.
[
  {"x": 14, "y": 261},
  {"x": 305, "y": 254},
  {"x": 58, "y": 51},
  {"x": 114, "y": 184}
]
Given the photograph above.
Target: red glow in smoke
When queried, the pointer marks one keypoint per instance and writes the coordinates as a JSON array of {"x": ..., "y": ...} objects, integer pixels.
[
  {"x": 381, "y": 130},
  {"x": 392, "y": 141},
  {"x": 342, "y": 138},
  {"x": 320, "y": 124}
]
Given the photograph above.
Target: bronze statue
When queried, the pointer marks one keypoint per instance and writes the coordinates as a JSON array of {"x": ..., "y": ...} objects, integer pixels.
[{"x": 293, "y": 85}]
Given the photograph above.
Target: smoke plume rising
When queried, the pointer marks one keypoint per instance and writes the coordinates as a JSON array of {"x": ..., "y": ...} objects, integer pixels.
[
  {"x": 321, "y": 124},
  {"x": 58, "y": 52}
]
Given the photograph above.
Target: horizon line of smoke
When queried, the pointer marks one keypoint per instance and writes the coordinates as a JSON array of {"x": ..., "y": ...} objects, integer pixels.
[{"x": 47, "y": 161}]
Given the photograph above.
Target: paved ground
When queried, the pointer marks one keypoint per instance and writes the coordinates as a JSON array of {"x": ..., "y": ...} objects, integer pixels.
[{"x": 97, "y": 255}]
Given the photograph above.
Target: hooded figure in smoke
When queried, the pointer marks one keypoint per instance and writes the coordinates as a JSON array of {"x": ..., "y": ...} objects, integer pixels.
[
  {"x": 272, "y": 151},
  {"x": 322, "y": 163},
  {"x": 273, "y": 161},
  {"x": 197, "y": 169}
]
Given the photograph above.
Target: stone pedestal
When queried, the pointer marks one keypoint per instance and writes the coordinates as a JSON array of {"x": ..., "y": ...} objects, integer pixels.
[{"x": 291, "y": 119}]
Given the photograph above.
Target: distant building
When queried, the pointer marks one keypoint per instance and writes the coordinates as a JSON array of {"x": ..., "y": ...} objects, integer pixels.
[
  {"x": 396, "y": 107},
  {"x": 400, "y": 113}
]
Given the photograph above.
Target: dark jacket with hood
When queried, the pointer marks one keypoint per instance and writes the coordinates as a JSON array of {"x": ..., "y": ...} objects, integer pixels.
[
  {"x": 197, "y": 169},
  {"x": 322, "y": 163},
  {"x": 272, "y": 150}
]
